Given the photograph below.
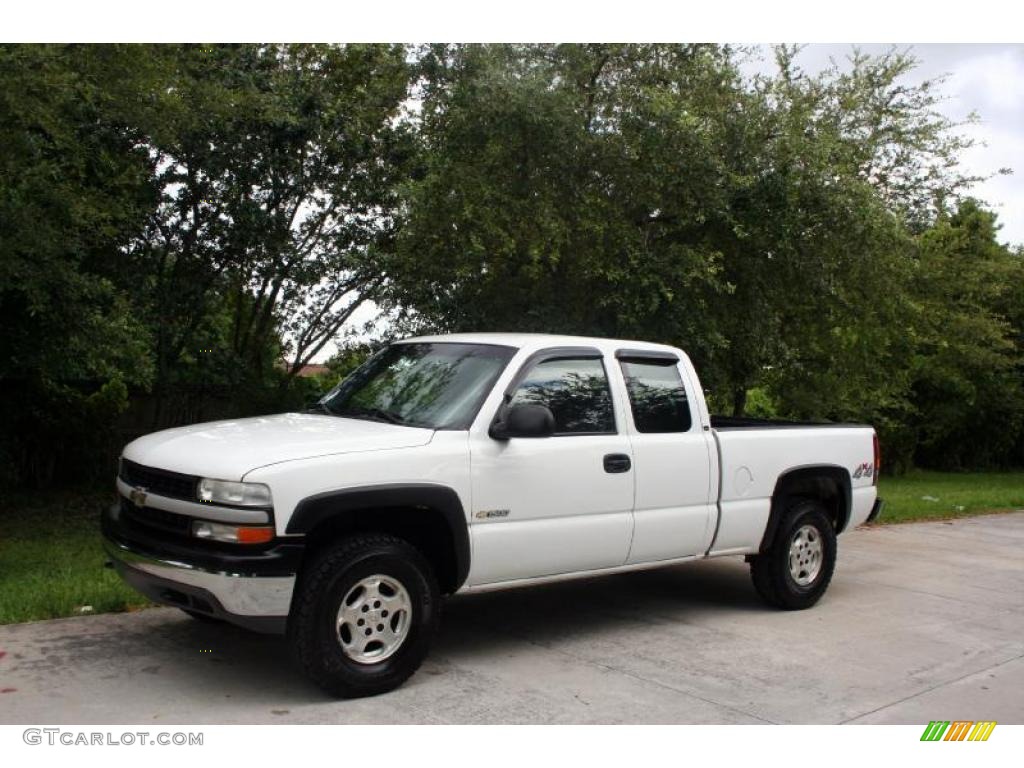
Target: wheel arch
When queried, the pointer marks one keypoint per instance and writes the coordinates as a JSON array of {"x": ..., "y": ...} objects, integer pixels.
[
  {"x": 827, "y": 483},
  {"x": 428, "y": 515}
]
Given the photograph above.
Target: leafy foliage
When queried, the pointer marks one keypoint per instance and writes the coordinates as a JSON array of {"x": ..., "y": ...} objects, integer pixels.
[
  {"x": 182, "y": 218},
  {"x": 274, "y": 167},
  {"x": 72, "y": 189},
  {"x": 182, "y": 228},
  {"x": 968, "y": 367},
  {"x": 777, "y": 227},
  {"x": 72, "y": 192}
]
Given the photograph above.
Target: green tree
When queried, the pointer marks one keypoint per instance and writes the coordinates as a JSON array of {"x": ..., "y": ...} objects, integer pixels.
[
  {"x": 185, "y": 217},
  {"x": 652, "y": 190},
  {"x": 541, "y": 202},
  {"x": 73, "y": 192},
  {"x": 968, "y": 365},
  {"x": 275, "y": 166},
  {"x": 73, "y": 189}
]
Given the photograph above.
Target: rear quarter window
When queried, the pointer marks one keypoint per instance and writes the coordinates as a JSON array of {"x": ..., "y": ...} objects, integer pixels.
[{"x": 657, "y": 396}]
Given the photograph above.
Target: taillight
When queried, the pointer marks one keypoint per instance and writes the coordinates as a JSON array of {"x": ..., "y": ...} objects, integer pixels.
[{"x": 878, "y": 461}]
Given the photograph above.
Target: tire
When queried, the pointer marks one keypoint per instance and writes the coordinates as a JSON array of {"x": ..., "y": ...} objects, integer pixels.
[
  {"x": 355, "y": 580},
  {"x": 206, "y": 619},
  {"x": 815, "y": 558}
]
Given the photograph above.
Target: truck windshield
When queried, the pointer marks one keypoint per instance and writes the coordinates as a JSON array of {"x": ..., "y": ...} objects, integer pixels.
[{"x": 437, "y": 386}]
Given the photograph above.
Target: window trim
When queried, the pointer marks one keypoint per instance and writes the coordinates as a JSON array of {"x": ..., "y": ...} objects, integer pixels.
[
  {"x": 657, "y": 358},
  {"x": 546, "y": 356},
  {"x": 640, "y": 355}
]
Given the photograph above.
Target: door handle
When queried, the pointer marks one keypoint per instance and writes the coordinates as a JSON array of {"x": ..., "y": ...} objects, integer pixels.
[{"x": 617, "y": 462}]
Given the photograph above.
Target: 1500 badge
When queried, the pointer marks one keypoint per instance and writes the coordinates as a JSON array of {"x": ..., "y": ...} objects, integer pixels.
[{"x": 485, "y": 513}]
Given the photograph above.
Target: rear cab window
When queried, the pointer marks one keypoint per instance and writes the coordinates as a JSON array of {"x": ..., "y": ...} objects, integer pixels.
[{"x": 657, "y": 396}]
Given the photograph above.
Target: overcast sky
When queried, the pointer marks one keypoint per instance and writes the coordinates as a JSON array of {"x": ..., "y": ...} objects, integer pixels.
[{"x": 987, "y": 79}]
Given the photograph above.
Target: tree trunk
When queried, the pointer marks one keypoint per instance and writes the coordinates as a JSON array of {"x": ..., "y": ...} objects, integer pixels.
[{"x": 739, "y": 401}]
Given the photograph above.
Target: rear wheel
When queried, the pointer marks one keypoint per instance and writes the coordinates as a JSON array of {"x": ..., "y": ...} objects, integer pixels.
[
  {"x": 364, "y": 615},
  {"x": 797, "y": 567}
]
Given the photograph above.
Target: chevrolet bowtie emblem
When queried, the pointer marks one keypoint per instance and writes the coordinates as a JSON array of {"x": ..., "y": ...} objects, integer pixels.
[{"x": 138, "y": 496}]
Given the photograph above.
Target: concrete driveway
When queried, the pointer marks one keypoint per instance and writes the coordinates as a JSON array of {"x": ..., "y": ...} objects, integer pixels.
[{"x": 922, "y": 622}]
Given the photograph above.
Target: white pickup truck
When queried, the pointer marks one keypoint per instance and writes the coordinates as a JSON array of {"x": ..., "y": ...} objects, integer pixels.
[{"x": 450, "y": 464}]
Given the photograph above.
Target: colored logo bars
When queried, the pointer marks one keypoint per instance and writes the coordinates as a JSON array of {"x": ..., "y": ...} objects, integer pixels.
[{"x": 958, "y": 730}]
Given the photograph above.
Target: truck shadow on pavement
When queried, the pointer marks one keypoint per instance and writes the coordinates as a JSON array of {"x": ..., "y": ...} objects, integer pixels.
[
  {"x": 180, "y": 659},
  {"x": 570, "y": 609},
  {"x": 243, "y": 664}
]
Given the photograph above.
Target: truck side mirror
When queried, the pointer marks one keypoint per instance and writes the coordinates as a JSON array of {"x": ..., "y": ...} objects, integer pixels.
[{"x": 524, "y": 421}]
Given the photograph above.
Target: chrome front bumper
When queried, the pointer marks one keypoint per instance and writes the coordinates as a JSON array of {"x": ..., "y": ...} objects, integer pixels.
[{"x": 252, "y": 601}]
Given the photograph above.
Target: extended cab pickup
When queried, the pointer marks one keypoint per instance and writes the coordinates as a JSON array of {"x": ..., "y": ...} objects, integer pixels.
[{"x": 450, "y": 464}]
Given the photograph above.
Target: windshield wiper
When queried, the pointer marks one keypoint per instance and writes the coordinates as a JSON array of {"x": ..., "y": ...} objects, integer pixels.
[
  {"x": 321, "y": 408},
  {"x": 374, "y": 414}
]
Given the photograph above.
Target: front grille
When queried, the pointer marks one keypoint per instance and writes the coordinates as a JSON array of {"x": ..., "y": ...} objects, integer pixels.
[
  {"x": 159, "y": 481},
  {"x": 151, "y": 519}
]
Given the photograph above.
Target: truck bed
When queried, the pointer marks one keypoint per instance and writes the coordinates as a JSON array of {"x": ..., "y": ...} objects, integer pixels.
[{"x": 755, "y": 453}]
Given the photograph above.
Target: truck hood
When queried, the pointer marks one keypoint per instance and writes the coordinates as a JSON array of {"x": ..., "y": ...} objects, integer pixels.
[{"x": 227, "y": 450}]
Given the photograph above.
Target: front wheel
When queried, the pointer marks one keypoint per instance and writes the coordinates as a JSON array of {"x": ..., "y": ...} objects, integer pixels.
[
  {"x": 364, "y": 615},
  {"x": 796, "y": 569}
]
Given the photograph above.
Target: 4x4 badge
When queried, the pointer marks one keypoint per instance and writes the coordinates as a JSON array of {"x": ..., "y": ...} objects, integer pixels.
[{"x": 864, "y": 470}]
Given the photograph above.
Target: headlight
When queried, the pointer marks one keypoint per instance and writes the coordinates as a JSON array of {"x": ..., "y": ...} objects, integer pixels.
[
  {"x": 239, "y": 494},
  {"x": 234, "y": 534}
]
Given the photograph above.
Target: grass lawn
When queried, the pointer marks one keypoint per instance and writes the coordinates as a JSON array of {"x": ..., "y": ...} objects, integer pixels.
[
  {"x": 51, "y": 561},
  {"x": 924, "y": 495}
]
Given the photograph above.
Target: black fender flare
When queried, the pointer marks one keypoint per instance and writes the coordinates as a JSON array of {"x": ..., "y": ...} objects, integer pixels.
[
  {"x": 791, "y": 477},
  {"x": 314, "y": 510}
]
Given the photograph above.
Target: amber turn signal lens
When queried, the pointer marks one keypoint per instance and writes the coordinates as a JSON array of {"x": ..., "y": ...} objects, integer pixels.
[
  {"x": 255, "y": 535},
  {"x": 233, "y": 534}
]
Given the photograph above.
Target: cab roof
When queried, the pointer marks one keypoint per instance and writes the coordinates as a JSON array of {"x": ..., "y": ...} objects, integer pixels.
[{"x": 531, "y": 342}]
